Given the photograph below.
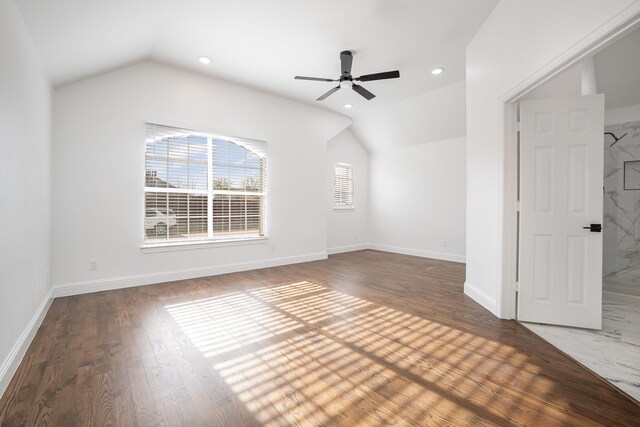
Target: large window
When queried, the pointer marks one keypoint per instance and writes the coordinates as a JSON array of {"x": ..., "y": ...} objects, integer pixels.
[
  {"x": 202, "y": 187},
  {"x": 343, "y": 186}
]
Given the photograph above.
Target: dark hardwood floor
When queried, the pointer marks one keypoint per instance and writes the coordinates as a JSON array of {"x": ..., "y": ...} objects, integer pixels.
[{"x": 365, "y": 338}]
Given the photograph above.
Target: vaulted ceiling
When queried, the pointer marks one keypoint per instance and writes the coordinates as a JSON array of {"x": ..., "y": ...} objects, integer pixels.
[{"x": 264, "y": 44}]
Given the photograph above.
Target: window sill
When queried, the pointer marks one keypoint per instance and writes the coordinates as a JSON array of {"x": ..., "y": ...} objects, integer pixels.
[
  {"x": 182, "y": 246},
  {"x": 344, "y": 208}
]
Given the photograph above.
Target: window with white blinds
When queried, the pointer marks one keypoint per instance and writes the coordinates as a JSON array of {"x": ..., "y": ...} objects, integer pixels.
[
  {"x": 343, "y": 186},
  {"x": 202, "y": 187}
]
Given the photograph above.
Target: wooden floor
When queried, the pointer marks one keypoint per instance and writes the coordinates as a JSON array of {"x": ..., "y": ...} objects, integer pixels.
[{"x": 365, "y": 338}]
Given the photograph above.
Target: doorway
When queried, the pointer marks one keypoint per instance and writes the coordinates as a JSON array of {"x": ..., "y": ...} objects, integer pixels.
[{"x": 612, "y": 351}]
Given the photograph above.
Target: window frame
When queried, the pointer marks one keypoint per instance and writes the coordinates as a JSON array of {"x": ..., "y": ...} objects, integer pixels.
[
  {"x": 337, "y": 205},
  {"x": 211, "y": 240}
]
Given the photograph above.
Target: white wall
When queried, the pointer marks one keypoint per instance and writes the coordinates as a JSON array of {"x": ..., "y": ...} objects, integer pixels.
[
  {"x": 617, "y": 73},
  {"x": 577, "y": 80},
  {"x": 427, "y": 117},
  {"x": 622, "y": 115},
  {"x": 25, "y": 175},
  {"x": 518, "y": 39},
  {"x": 348, "y": 230},
  {"x": 98, "y": 174},
  {"x": 566, "y": 84},
  {"x": 417, "y": 200}
]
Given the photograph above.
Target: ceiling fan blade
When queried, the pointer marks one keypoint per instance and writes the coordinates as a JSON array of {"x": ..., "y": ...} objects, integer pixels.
[
  {"x": 362, "y": 91},
  {"x": 327, "y": 94},
  {"x": 379, "y": 76},
  {"x": 318, "y": 79},
  {"x": 346, "y": 59}
]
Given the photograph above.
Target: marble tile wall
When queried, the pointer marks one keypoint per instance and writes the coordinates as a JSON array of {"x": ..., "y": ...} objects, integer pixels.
[{"x": 621, "y": 212}]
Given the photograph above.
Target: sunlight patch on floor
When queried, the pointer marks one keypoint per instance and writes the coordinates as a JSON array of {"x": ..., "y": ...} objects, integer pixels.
[{"x": 304, "y": 353}]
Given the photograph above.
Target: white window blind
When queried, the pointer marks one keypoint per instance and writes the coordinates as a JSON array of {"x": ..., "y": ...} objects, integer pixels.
[
  {"x": 203, "y": 187},
  {"x": 343, "y": 185}
]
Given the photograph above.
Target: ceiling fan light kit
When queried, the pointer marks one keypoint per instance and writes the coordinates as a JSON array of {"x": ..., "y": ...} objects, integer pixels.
[{"x": 346, "y": 61}]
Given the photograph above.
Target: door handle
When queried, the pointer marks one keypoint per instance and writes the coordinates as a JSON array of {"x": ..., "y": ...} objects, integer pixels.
[{"x": 594, "y": 228}]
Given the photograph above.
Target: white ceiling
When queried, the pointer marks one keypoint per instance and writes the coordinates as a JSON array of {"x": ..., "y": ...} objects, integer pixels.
[
  {"x": 264, "y": 44},
  {"x": 618, "y": 71},
  {"x": 432, "y": 116}
]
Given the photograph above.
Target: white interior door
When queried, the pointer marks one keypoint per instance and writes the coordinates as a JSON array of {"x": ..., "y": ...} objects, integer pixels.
[{"x": 561, "y": 167}]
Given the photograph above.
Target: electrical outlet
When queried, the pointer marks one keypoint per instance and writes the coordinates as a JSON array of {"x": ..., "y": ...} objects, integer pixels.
[
  {"x": 444, "y": 243},
  {"x": 93, "y": 264},
  {"x": 273, "y": 248}
]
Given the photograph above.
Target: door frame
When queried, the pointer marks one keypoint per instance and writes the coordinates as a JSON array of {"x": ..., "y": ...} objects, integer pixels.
[{"x": 621, "y": 25}]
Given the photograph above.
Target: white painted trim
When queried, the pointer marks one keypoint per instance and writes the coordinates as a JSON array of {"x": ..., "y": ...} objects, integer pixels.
[
  {"x": 349, "y": 248},
  {"x": 612, "y": 30},
  {"x": 100, "y": 285},
  {"x": 508, "y": 208},
  {"x": 13, "y": 359},
  {"x": 626, "y": 21},
  {"x": 480, "y": 297},
  {"x": 200, "y": 244},
  {"x": 418, "y": 252}
]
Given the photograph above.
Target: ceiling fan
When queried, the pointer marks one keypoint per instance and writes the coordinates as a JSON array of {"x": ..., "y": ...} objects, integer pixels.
[{"x": 346, "y": 59}]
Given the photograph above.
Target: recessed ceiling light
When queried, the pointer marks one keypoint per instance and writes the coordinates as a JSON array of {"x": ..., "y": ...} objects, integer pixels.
[
  {"x": 348, "y": 105},
  {"x": 437, "y": 71},
  {"x": 204, "y": 60}
]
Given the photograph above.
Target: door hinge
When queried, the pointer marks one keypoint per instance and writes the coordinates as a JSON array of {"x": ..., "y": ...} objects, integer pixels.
[
  {"x": 517, "y": 286},
  {"x": 517, "y": 126},
  {"x": 518, "y": 206}
]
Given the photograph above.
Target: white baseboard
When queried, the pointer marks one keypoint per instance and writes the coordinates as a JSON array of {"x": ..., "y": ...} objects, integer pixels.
[
  {"x": 349, "y": 248},
  {"x": 77, "y": 288},
  {"x": 418, "y": 252},
  {"x": 99, "y": 285},
  {"x": 481, "y": 298},
  {"x": 13, "y": 359}
]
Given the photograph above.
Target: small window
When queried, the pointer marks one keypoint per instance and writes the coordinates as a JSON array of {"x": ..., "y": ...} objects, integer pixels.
[
  {"x": 343, "y": 186},
  {"x": 203, "y": 187}
]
